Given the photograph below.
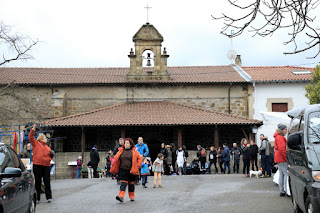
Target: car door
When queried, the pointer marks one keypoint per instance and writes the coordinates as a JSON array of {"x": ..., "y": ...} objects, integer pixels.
[
  {"x": 297, "y": 161},
  {"x": 24, "y": 189},
  {"x": 11, "y": 186}
]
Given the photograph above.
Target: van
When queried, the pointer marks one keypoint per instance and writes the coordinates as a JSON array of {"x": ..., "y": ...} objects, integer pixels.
[{"x": 304, "y": 158}]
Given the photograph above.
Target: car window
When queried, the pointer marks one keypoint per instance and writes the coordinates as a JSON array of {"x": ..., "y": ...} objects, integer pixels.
[
  {"x": 5, "y": 159},
  {"x": 314, "y": 127},
  {"x": 16, "y": 161},
  {"x": 294, "y": 126}
]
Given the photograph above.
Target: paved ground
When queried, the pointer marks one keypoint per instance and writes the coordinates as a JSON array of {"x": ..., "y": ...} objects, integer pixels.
[{"x": 194, "y": 193}]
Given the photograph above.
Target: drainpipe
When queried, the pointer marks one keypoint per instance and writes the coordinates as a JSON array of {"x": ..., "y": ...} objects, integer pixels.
[{"x": 229, "y": 98}]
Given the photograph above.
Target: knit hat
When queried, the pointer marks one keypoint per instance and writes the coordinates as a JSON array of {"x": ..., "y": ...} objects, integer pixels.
[{"x": 281, "y": 126}]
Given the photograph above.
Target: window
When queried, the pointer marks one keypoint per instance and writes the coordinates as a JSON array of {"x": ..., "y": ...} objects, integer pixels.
[
  {"x": 279, "y": 107},
  {"x": 294, "y": 126},
  {"x": 5, "y": 159},
  {"x": 16, "y": 161}
]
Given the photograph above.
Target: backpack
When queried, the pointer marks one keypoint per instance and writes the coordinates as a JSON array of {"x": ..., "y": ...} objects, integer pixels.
[{"x": 203, "y": 153}]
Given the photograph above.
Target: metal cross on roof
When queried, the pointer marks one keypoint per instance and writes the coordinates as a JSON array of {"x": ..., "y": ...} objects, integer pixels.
[{"x": 148, "y": 12}]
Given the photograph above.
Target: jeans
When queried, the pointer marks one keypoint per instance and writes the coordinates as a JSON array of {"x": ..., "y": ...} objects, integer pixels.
[
  {"x": 144, "y": 179},
  {"x": 226, "y": 164},
  {"x": 236, "y": 163},
  {"x": 246, "y": 166},
  {"x": 215, "y": 165},
  {"x": 78, "y": 173},
  {"x": 39, "y": 173},
  {"x": 266, "y": 165},
  {"x": 283, "y": 176},
  {"x": 254, "y": 162}
]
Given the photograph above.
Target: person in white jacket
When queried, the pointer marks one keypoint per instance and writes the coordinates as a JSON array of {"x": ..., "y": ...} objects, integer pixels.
[{"x": 180, "y": 159}]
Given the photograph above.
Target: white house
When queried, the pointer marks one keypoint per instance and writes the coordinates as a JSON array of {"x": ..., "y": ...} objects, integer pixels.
[{"x": 277, "y": 90}]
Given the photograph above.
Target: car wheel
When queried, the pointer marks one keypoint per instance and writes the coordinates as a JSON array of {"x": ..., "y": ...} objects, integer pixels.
[
  {"x": 32, "y": 206},
  {"x": 309, "y": 205}
]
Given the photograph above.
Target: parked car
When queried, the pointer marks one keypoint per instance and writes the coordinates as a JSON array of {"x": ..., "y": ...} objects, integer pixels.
[
  {"x": 304, "y": 158},
  {"x": 17, "y": 190}
]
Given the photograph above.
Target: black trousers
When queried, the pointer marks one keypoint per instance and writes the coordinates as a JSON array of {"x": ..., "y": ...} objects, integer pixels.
[
  {"x": 95, "y": 173},
  {"x": 246, "y": 166},
  {"x": 254, "y": 162},
  {"x": 39, "y": 173}
]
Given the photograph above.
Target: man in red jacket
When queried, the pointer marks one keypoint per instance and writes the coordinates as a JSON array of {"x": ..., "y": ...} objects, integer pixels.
[
  {"x": 280, "y": 156},
  {"x": 42, "y": 155}
]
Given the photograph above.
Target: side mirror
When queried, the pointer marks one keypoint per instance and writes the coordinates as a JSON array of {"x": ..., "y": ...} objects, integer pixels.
[
  {"x": 294, "y": 141},
  {"x": 10, "y": 172}
]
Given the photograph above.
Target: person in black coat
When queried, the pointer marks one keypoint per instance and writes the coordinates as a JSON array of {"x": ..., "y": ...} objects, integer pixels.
[
  {"x": 121, "y": 142},
  {"x": 245, "y": 156},
  {"x": 254, "y": 155},
  {"x": 94, "y": 159},
  {"x": 213, "y": 159}
]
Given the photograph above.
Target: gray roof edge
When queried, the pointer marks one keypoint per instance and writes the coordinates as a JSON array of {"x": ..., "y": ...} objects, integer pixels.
[{"x": 242, "y": 73}]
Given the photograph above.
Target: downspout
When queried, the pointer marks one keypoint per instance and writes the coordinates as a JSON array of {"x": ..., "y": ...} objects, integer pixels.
[{"x": 229, "y": 101}]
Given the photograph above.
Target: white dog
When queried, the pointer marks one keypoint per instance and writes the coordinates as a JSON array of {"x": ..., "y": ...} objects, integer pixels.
[
  {"x": 256, "y": 173},
  {"x": 102, "y": 173}
]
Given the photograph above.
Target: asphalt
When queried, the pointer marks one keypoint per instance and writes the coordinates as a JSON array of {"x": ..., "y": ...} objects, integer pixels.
[{"x": 191, "y": 193}]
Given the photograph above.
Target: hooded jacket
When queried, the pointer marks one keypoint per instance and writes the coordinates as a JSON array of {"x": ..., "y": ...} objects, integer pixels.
[
  {"x": 41, "y": 152},
  {"x": 136, "y": 162},
  {"x": 280, "y": 146}
]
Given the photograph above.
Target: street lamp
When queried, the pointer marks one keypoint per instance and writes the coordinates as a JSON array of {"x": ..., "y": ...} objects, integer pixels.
[{"x": 254, "y": 129}]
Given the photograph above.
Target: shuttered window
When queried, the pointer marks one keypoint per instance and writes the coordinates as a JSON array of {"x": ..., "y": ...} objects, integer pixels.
[{"x": 279, "y": 107}]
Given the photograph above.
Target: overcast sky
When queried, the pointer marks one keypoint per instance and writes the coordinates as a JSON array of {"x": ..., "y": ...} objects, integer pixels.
[{"x": 98, "y": 33}]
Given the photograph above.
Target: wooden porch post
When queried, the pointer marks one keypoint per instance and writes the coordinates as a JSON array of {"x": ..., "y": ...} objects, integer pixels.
[
  {"x": 216, "y": 136},
  {"x": 123, "y": 133},
  {"x": 179, "y": 137}
]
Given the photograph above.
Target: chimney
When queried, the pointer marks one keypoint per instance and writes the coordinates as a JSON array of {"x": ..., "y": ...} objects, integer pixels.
[{"x": 238, "y": 61}]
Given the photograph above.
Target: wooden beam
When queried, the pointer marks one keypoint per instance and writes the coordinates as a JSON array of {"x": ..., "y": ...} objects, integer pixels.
[
  {"x": 123, "y": 133},
  {"x": 179, "y": 137},
  {"x": 216, "y": 136},
  {"x": 245, "y": 134}
]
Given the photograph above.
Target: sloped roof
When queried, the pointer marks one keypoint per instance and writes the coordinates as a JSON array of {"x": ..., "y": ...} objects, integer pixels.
[
  {"x": 277, "y": 73},
  {"x": 148, "y": 32},
  {"x": 191, "y": 74},
  {"x": 151, "y": 113}
]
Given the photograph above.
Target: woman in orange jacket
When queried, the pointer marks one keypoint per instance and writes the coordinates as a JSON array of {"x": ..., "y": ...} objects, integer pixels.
[
  {"x": 42, "y": 155},
  {"x": 127, "y": 164}
]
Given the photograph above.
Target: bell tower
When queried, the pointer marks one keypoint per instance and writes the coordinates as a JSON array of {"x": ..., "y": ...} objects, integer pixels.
[{"x": 147, "y": 48}]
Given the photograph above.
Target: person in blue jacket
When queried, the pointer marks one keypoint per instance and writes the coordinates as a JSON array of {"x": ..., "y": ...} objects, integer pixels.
[
  {"x": 226, "y": 157},
  {"x": 144, "y": 152},
  {"x": 144, "y": 172},
  {"x": 142, "y": 148}
]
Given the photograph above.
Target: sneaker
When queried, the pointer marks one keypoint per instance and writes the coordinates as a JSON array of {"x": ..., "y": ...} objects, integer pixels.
[
  {"x": 145, "y": 186},
  {"x": 282, "y": 194},
  {"x": 262, "y": 176},
  {"x": 160, "y": 186},
  {"x": 119, "y": 198},
  {"x": 154, "y": 186},
  {"x": 131, "y": 199},
  {"x": 38, "y": 201},
  {"x": 244, "y": 175},
  {"x": 49, "y": 200}
]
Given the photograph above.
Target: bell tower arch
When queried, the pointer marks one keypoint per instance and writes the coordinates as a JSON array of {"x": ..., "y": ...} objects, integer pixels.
[{"x": 148, "y": 39}]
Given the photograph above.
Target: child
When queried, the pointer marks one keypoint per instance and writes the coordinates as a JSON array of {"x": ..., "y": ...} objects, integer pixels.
[
  {"x": 157, "y": 168},
  {"x": 144, "y": 171},
  {"x": 79, "y": 166}
]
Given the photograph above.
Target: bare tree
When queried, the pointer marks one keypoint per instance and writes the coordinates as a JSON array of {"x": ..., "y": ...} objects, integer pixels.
[
  {"x": 13, "y": 47},
  {"x": 276, "y": 14}
]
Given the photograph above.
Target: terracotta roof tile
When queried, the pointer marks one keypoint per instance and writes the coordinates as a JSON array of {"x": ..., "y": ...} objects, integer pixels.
[
  {"x": 151, "y": 113},
  {"x": 192, "y": 74},
  {"x": 278, "y": 73}
]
